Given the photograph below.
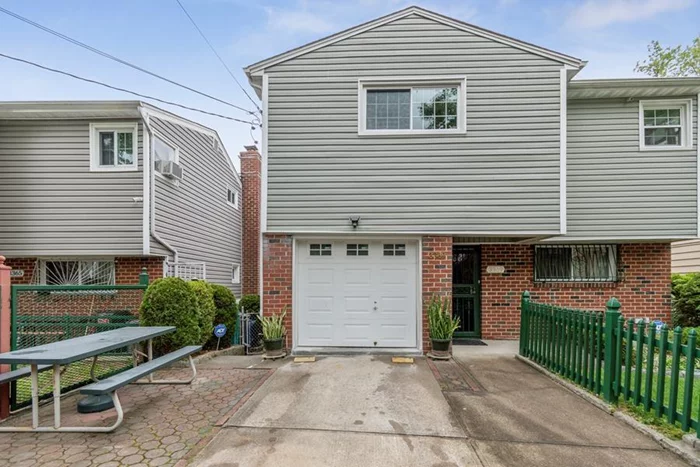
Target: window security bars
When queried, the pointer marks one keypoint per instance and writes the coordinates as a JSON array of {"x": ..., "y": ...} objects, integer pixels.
[{"x": 576, "y": 263}]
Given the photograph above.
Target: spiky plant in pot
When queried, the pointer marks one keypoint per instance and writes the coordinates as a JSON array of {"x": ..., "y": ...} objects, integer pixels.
[{"x": 441, "y": 325}]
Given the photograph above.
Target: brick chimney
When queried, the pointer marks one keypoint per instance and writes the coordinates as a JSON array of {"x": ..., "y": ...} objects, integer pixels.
[{"x": 251, "y": 177}]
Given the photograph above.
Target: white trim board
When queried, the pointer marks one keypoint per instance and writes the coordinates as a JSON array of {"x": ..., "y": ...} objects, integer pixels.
[
  {"x": 563, "y": 122},
  {"x": 260, "y": 66}
]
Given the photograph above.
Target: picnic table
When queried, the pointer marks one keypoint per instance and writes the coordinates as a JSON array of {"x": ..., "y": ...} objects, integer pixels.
[{"x": 57, "y": 354}]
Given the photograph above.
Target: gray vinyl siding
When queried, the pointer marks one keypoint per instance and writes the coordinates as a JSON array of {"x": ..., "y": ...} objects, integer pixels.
[
  {"x": 616, "y": 190},
  {"x": 50, "y": 202},
  {"x": 502, "y": 176},
  {"x": 194, "y": 216},
  {"x": 685, "y": 256}
]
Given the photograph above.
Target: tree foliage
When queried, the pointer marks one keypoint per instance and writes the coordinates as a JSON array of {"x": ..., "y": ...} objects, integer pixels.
[
  {"x": 226, "y": 313},
  {"x": 205, "y": 308},
  {"x": 671, "y": 61},
  {"x": 685, "y": 294}
]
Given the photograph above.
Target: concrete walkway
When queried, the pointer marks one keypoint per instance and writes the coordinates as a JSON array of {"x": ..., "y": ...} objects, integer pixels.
[{"x": 482, "y": 410}]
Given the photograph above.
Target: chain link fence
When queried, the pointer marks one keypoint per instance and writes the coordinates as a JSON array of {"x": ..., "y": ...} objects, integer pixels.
[
  {"x": 250, "y": 332},
  {"x": 42, "y": 314}
]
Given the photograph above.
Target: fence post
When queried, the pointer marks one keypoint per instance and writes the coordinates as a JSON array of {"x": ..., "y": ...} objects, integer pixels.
[
  {"x": 612, "y": 315},
  {"x": 524, "y": 323},
  {"x": 143, "y": 277},
  {"x": 5, "y": 334}
]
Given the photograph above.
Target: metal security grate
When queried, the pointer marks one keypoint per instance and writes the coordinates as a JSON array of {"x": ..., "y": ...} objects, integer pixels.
[
  {"x": 576, "y": 263},
  {"x": 42, "y": 314}
]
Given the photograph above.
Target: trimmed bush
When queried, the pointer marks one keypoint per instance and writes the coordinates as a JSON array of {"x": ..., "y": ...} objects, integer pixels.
[
  {"x": 205, "y": 308},
  {"x": 171, "y": 302},
  {"x": 250, "y": 304},
  {"x": 226, "y": 313},
  {"x": 685, "y": 293}
]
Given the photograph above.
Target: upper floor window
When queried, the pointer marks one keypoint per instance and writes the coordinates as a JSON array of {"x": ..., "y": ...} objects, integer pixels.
[
  {"x": 576, "y": 263},
  {"x": 232, "y": 197},
  {"x": 113, "y": 146},
  {"x": 665, "y": 124},
  {"x": 235, "y": 273},
  {"x": 418, "y": 107}
]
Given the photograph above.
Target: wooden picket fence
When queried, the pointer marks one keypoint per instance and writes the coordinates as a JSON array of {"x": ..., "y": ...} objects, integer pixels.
[{"x": 578, "y": 344}]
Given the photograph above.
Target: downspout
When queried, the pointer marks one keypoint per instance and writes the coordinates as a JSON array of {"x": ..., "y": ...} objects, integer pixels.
[{"x": 152, "y": 184}]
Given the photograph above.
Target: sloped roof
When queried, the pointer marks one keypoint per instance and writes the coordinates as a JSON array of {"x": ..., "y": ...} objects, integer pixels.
[
  {"x": 258, "y": 67},
  {"x": 632, "y": 87}
]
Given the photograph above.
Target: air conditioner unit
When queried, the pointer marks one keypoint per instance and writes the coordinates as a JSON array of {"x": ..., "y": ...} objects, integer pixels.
[{"x": 169, "y": 169}]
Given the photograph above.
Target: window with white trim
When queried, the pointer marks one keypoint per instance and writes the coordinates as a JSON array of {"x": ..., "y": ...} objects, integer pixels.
[
  {"x": 665, "y": 124},
  {"x": 235, "y": 273},
  {"x": 71, "y": 272},
  {"x": 357, "y": 249},
  {"x": 113, "y": 147},
  {"x": 394, "y": 249},
  {"x": 420, "y": 107},
  {"x": 576, "y": 263},
  {"x": 320, "y": 249},
  {"x": 232, "y": 197}
]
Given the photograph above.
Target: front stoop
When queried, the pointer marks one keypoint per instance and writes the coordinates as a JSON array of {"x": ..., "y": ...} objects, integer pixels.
[{"x": 683, "y": 449}]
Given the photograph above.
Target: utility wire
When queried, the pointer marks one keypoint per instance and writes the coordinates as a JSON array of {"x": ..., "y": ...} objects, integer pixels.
[
  {"x": 117, "y": 59},
  {"x": 217, "y": 55},
  {"x": 145, "y": 96}
]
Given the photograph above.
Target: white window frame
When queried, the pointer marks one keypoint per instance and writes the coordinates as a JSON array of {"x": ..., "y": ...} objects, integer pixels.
[
  {"x": 172, "y": 146},
  {"x": 42, "y": 266},
  {"x": 235, "y": 197},
  {"x": 365, "y": 84},
  {"x": 686, "y": 108},
  {"x": 121, "y": 127},
  {"x": 235, "y": 273}
]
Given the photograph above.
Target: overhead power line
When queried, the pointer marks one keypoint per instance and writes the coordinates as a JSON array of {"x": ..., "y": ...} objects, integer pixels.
[
  {"x": 117, "y": 59},
  {"x": 145, "y": 96},
  {"x": 201, "y": 33}
]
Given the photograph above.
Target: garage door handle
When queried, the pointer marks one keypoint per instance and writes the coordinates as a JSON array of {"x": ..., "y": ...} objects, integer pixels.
[{"x": 375, "y": 308}]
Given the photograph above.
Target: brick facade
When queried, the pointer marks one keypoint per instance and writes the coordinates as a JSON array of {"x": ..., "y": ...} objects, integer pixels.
[
  {"x": 251, "y": 167},
  {"x": 126, "y": 268},
  {"x": 644, "y": 288},
  {"x": 277, "y": 278},
  {"x": 436, "y": 275}
]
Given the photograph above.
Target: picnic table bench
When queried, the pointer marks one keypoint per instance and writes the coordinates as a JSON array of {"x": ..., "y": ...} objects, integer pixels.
[{"x": 57, "y": 354}]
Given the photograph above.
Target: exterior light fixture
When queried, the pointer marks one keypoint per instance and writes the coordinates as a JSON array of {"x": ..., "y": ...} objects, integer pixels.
[{"x": 355, "y": 221}]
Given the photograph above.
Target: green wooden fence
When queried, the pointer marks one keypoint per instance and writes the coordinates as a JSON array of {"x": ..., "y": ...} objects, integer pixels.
[{"x": 649, "y": 368}]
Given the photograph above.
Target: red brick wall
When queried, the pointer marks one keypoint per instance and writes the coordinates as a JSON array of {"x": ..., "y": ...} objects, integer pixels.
[
  {"x": 251, "y": 164},
  {"x": 277, "y": 278},
  {"x": 26, "y": 264},
  {"x": 437, "y": 275},
  {"x": 644, "y": 290},
  {"x": 127, "y": 269}
]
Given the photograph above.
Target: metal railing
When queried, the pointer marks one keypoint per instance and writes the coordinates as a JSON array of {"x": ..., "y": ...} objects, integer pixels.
[
  {"x": 41, "y": 314},
  {"x": 622, "y": 360}
]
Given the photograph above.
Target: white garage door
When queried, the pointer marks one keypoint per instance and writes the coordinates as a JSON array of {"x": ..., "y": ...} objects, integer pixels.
[{"x": 356, "y": 293}]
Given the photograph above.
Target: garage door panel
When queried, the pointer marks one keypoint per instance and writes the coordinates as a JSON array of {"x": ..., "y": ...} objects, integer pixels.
[{"x": 357, "y": 300}]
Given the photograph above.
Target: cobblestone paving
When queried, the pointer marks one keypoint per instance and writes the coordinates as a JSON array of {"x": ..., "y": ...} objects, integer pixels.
[{"x": 163, "y": 424}]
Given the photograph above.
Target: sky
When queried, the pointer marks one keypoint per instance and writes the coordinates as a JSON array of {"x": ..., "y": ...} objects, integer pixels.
[{"x": 155, "y": 34}]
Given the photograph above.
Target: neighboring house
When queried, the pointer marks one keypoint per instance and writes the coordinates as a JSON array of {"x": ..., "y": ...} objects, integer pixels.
[
  {"x": 91, "y": 192},
  {"x": 416, "y": 155},
  {"x": 685, "y": 256}
]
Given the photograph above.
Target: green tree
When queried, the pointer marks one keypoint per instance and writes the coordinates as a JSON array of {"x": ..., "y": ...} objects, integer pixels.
[{"x": 671, "y": 61}]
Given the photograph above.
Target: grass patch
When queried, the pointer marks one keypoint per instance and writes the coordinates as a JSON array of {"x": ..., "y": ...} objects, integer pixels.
[{"x": 648, "y": 418}]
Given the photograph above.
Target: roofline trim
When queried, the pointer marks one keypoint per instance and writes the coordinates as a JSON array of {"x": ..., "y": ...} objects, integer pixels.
[{"x": 364, "y": 27}]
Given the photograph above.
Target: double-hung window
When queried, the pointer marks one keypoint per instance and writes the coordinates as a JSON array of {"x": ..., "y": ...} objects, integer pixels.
[
  {"x": 576, "y": 263},
  {"x": 113, "y": 147},
  {"x": 414, "y": 107},
  {"x": 665, "y": 124}
]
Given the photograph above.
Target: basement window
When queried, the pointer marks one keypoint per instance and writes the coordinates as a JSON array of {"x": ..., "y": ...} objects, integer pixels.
[
  {"x": 68, "y": 272},
  {"x": 576, "y": 263}
]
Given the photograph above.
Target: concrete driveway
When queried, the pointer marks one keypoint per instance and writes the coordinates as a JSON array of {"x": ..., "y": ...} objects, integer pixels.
[{"x": 481, "y": 410}]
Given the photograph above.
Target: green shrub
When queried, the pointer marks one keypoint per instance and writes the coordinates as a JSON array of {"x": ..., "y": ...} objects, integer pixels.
[
  {"x": 171, "y": 302},
  {"x": 226, "y": 313},
  {"x": 440, "y": 322},
  {"x": 250, "y": 304},
  {"x": 685, "y": 293},
  {"x": 205, "y": 308}
]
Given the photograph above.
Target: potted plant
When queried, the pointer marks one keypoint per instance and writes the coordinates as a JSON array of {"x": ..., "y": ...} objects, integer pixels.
[
  {"x": 441, "y": 326},
  {"x": 273, "y": 334}
]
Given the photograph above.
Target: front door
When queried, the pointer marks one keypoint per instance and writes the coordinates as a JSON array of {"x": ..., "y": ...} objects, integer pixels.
[{"x": 466, "y": 290}]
